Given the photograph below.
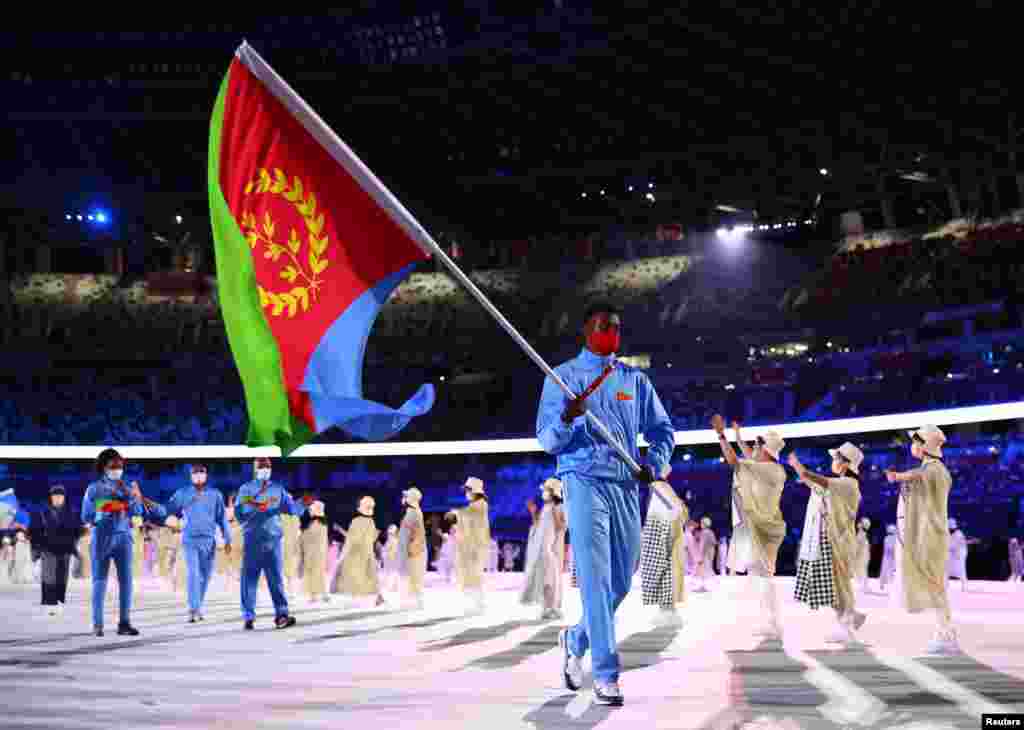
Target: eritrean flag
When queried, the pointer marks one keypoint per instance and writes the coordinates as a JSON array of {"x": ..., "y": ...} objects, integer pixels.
[{"x": 309, "y": 244}]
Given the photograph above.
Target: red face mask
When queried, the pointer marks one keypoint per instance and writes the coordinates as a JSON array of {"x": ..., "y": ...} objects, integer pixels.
[{"x": 604, "y": 342}]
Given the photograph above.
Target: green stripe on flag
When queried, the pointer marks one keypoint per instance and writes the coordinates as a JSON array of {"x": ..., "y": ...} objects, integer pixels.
[{"x": 255, "y": 350}]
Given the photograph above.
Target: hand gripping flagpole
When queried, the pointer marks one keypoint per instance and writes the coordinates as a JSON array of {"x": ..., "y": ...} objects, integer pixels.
[{"x": 341, "y": 152}]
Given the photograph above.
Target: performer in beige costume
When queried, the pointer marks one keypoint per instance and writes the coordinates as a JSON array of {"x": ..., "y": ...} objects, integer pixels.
[
  {"x": 237, "y": 539},
  {"x": 85, "y": 552},
  {"x": 412, "y": 551},
  {"x": 828, "y": 548},
  {"x": 474, "y": 540},
  {"x": 291, "y": 530},
  {"x": 356, "y": 576},
  {"x": 708, "y": 544},
  {"x": 758, "y": 527},
  {"x": 863, "y": 559},
  {"x": 314, "y": 554},
  {"x": 663, "y": 554},
  {"x": 544, "y": 575},
  {"x": 922, "y": 528},
  {"x": 167, "y": 543}
]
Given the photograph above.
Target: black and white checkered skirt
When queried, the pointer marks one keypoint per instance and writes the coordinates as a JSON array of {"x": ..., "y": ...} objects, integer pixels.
[
  {"x": 656, "y": 563},
  {"x": 815, "y": 585}
]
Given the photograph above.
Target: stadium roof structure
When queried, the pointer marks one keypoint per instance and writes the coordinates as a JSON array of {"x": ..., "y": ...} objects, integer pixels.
[{"x": 499, "y": 118}]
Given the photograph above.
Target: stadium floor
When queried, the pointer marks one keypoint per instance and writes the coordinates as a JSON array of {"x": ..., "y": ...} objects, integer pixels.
[{"x": 366, "y": 669}]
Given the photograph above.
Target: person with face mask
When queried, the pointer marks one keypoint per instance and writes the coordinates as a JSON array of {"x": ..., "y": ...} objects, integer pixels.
[
  {"x": 709, "y": 543},
  {"x": 445, "y": 563},
  {"x": 357, "y": 578},
  {"x": 663, "y": 555},
  {"x": 109, "y": 505},
  {"x": 291, "y": 531},
  {"x": 758, "y": 527},
  {"x": 544, "y": 573},
  {"x": 532, "y": 544},
  {"x": 922, "y": 518},
  {"x": 474, "y": 537},
  {"x": 259, "y": 507},
  {"x": 863, "y": 558},
  {"x": 412, "y": 551},
  {"x": 694, "y": 553},
  {"x": 56, "y": 533},
  {"x": 314, "y": 549},
  {"x": 828, "y": 547},
  {"x": 888, "y": 572},
  {"x": 602, "y": 495},
  {"x": 204, "y": 513}
]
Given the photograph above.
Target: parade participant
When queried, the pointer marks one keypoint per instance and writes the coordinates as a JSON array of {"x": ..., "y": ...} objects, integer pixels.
[
  {"x": 168, "y": 538},
  {"x": 532, "y": 546},
  {"x": 6, "y": 561},
  {"x": 412, "y": 551},
  {"x": 473, "y": 538},
  {"x": 758, "y": 481},
  {"x": 149, "y": 568},
  {"x": 205, "y": 515},
  {"x": 602, "y": 494},
  {"x": 391, "y": 560},
  {"x": 544, "y": 576},
  {"x": 510, "y": 552},
  {"x": 922, "y": 528},
  {"x": 723, "y": 555},
  {"x": 492, "y": 557},
  {"x": 291, "y": 531},
  {"x": 314, "y": 550},
  {"x": 694, "y": 550},
  {"x": 828, "y": 548},
  {"x": 863, "y": 556},
  {"x": 84, "y": 554},
  {"x": 1016, "y": 561},
  {"x": 259, "y": 507},
  {"x": 445, "y": 563},
  {"x": 710, "y": 540},
  {"x": 663, "y": 555},
  {"x": 357, "y": 577},
  {"x": 55, "y": 534},
  {"x": 888, "y": 572},
  {"x": 956, "y": 565},
  {"x": 22, "y": 572},
  {"x": 108, "y": 505}
]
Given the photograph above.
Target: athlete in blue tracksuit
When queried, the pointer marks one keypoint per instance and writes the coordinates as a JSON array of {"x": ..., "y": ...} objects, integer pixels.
[
  {"x": 257, "y": 507},
  {"x": 601, "y": 493},
  {"x": 109, "y": 504},
  {"x": 204, "y": 513}
]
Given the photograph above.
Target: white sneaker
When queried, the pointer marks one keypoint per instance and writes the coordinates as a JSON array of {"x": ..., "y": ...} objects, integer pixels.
[
  {"x": 668, "y": 618},
  {"x": 608, "y": 694},
  {"x": 572, "y": 667}
]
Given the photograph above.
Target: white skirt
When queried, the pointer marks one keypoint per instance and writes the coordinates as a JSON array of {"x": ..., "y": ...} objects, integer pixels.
[{"x": 741, "y": 550}]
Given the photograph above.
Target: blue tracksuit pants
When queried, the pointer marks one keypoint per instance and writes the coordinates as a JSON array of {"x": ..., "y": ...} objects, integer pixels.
[
  {"x": 604, "y": 522},
  {"x": 266, "y": 558},
  {"x": 199, "y": 560},
  {"x": 116, "y": 548}
]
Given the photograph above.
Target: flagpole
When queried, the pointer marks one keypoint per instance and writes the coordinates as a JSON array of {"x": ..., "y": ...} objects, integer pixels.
[{"x": 344, "y": 155}]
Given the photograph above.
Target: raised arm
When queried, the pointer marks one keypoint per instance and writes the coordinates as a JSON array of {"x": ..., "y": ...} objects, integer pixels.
[
  {"x": 748, "y": 452},
  {"x": 806, "y": 476},
  {"x": 718, "y": 424}
]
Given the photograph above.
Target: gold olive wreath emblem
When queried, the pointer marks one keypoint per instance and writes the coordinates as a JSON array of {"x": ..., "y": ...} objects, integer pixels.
[{"x": 307, "y": 280}]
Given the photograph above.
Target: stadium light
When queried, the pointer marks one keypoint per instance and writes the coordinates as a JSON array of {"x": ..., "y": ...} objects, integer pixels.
[
  {"x": 68, "y": 216},
  {"x": 583, "y": 195},
  {"x": 178, "y": 219},
  {"x": 650, "y": 186},
  {"x": 602, "y": 192},
  {"x": 650, "y": 197},
  {"x": 824, "y": 172},
  {"x": 630, "y": 188}
]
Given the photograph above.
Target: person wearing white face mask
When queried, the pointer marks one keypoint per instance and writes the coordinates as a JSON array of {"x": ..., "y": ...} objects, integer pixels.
[
  {"x": 259, "y": 506},
  {"x": 922, "y": 528},
  {"x": 314, "y": 549},
  {"x": 758, "y": 526},
  {"x": 357, "y": 577},
  {"x": 544, "y": 574},
  {"x": 109, "y": 504},
  {"x": 412, "y": 551},
  {"x": 205, "y": 514},
  {"x": 474, "y": 537},
  {"x": 888, "y": 572},
  {"x": 828, "y": 548}
]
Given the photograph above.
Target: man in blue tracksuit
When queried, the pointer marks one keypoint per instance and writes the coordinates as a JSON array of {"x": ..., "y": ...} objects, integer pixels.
[
  {"x": 109, "y": 504},
  {"x": 601, "y": 493},
  {"x": 204, "y": 514},
  {"x": 258, "y": 508}
]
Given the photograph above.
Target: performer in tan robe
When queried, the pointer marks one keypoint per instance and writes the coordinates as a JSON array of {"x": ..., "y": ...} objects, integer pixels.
[
  {"x": 663, "y": 554},
  {"x": 922, "y": 519},
  {"x": 238, "y": 540},
  {"x": 291, "y": 529},
  {"x": 863, "y": 559},
  {"x": 356, "y": 577},
  {"x": 758, "y": 481},
  {"x": 544, "y": 575},
  {"x": 314, "y": 554},
  {"x": 474, "y": 540},
  {"x": 412, "y": 551},
  {"x": 85, "y": 552},
  {"x": 828, "y": 548},
  {"x": 167, "y": 544},
  {"x": 391, "y": 560}
]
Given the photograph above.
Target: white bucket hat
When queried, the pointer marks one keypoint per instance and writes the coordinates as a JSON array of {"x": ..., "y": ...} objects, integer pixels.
[
  {"x": 706, "y": 522},
  {"x": 475, "y": 486},
  {"x": 366, "y": 504},
  {"x": 772, "y": 443},
  {"x": 552, "y": 485},
  {"x": 932, "y": 437},
  {"x": 851, "y": 454},
  {"x": 412, "y": 495}
]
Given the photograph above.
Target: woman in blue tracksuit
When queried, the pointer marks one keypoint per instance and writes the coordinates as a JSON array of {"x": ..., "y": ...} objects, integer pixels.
[
  {"x": 258, "y": 508},
  {"x": 109, "y": 505},
  {"x": 601, "y": 493}
]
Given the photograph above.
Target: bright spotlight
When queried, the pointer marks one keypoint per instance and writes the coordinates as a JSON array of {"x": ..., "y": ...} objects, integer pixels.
[
  {"x": 79, "y": 216},
  {"x": 178, "y": 219},
  {"x": 101, "y": 217},
  {"x": 650, "y": 197},
  {"x": 583, "y": 195},
  {"x": 602, "y": 192},
  {"x": 67, "y": 217},
  {"x": 630, "y": 188},
  {"x": 687, "y": 457},
  {"x": 824, "y": 171},
  {"x": 92, "y": 217},
  {"x": 650, "y": 186}
]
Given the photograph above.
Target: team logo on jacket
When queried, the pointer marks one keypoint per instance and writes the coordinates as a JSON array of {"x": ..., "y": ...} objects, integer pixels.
[{"x": 623, "y": 396}]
